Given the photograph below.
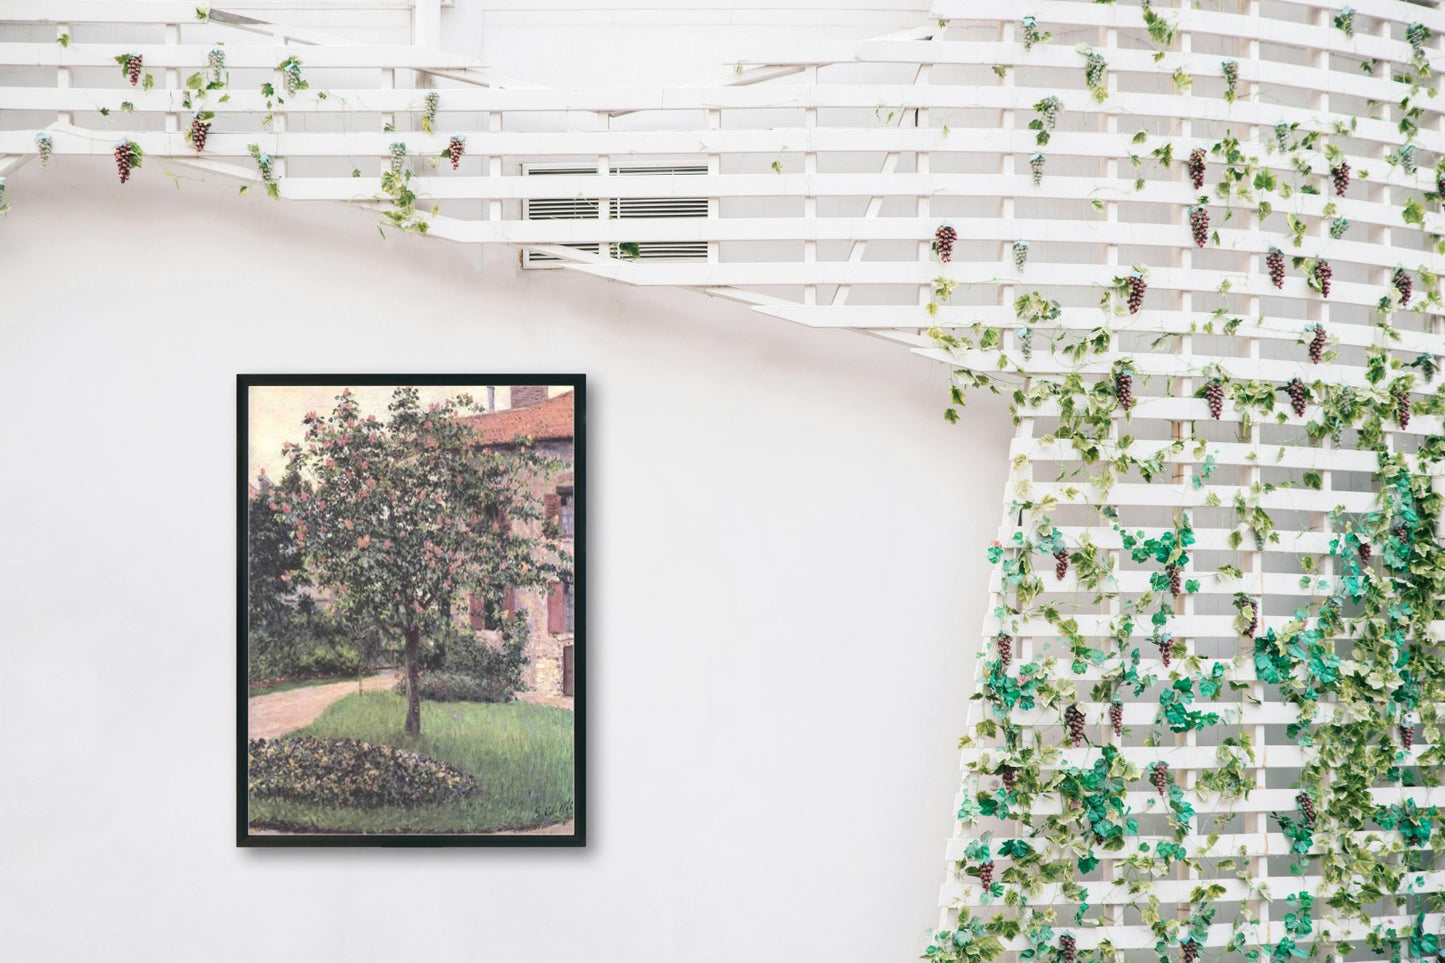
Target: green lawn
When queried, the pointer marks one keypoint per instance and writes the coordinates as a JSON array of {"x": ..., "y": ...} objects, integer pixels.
[{"x": 519, "y": 753}]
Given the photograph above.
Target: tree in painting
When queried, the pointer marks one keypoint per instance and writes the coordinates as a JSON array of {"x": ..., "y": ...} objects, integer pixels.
[
  {"x": 274, "y": 571},
  {"x": 399, "y": 517}
]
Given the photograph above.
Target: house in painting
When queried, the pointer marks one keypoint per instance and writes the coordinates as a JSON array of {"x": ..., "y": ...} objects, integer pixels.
[{"x": 548, "y": 421}]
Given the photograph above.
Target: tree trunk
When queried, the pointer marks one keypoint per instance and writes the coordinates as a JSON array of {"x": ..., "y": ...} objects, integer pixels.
[{"x": 413, "y": 683}]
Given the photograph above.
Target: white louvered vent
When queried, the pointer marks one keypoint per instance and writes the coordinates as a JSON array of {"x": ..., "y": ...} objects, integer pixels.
[{"x": 621, "y": 208}]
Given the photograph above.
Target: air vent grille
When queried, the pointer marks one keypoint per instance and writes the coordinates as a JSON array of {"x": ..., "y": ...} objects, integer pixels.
[{"x": 621, "y": 209}]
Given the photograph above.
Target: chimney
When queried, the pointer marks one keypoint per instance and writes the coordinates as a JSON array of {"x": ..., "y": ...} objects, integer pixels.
[{"x": 525, "y": 396}]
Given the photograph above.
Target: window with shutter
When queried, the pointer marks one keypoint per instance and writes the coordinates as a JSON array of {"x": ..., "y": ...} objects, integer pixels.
[
  {"x": 569, "y": 514},
  {"x": 476, "y": 611},
  {"x": 556, "y": 608},
  {"x": 487, "y": 615}
]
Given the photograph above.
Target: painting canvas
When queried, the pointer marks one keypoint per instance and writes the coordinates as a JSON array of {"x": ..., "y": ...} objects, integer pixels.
[{"x": 411, "y": 617}]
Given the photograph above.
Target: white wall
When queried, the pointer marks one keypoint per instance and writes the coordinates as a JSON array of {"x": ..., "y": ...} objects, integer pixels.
[{"x": 787, "y": 567}]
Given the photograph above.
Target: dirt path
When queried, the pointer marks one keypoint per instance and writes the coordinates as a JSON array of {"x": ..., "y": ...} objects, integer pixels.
[{"x": 276, "y": 714}]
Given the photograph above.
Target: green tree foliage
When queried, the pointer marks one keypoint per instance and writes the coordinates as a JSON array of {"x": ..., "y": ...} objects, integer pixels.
[{"x": 397, "y": 518}]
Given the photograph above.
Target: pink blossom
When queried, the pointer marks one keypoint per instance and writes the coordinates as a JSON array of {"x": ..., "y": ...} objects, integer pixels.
[{"x": 347, "y": 523}]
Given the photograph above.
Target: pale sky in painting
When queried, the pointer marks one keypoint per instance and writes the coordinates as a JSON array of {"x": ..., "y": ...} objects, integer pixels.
[{"x": 275, "y": 413}]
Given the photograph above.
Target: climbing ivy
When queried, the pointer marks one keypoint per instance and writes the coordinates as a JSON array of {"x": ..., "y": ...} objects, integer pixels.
[{"x": 1358, "y": 662}]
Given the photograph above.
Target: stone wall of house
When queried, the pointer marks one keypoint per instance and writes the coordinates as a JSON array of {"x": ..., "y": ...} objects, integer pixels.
[{"x": 544, "y": 649}]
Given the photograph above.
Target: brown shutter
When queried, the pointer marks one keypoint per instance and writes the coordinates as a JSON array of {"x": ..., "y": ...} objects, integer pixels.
[
  {"x": 509, "y": 602},
  {"x": 556, "y": 608},
  {"x": 552, "y": 507},
  {"x": 477, "y": 611}
]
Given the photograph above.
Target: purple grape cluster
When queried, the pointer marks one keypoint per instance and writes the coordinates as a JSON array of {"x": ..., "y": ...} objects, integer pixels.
[
  {"x": 1005, "y": 645},
  {"x": 124, "y": 159},
  {"x": 1274, "y": 260},
  {"x": 1166, "y": 651},
  {"x": 1407, "y": 737},
  {"x": 1009, "y": 776},
  {"x": 1067, "y": 948},
  {"x": 1137, "y": 287},
  {"x": 1299, "y": 395},
  {"x": 1340, "y": 174},
  {"x": 1116, "y": 718},
  {"x": 199, "y": 130},
  {"x": 1402, "y": 408},
  {"x": 985, "y": 873},
  {"x": 1074, "y": 719},
  {"x": 1214, "y": 394},
  {"x": 1159, "y": 776},
  {"x": 1124, "y": 389},
  {"x": 133, "y": 65},
  {"x": 1306, "y": 806},
  {"x": 1253, "y": 617},
  {"x": 1323, "y": 272},
  {"x": 1188, "y": 951},
  {"x": 1403, "y": 283},
  {"x": 943, "y": 239},
  {"x": 1366, "y": 553},
  {"x": 1061, "y": 564},
  {"x": 1199, "y": 224},
  {"x": 455, "y": 148},
  {"x": 1176, "y": 581},
  {"x": 1196, "y": 167},
  {"x": 1317, "y": 345}
]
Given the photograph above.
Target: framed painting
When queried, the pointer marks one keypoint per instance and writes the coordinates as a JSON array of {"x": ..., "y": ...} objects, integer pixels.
[{"x": 411, "y": 616}]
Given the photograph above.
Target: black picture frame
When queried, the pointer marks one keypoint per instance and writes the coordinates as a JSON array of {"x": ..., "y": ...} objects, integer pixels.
[{"x": 244, "y": 836}]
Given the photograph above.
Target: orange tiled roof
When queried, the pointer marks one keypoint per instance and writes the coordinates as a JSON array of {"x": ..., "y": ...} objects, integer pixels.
[{"x": 550, "y": 420}]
